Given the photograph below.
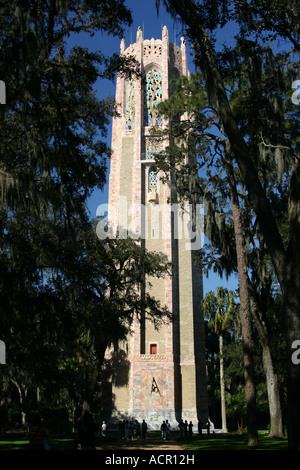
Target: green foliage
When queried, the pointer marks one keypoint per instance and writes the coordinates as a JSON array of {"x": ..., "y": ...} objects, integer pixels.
[
  {"x": 220, "y": 308},
  {"x": 248, "y": 81},
  {"x": 56, "y": 419},
  {"x": 56, "y": 317}
]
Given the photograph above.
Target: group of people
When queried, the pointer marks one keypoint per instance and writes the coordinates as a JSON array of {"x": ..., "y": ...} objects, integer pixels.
[
  {"x": 128, "y": 429},
  {"x": 186, "y": 429},
  {"x": 165, "y": 430}
]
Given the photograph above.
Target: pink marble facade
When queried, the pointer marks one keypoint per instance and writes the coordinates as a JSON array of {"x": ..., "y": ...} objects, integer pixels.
[{"x": 153, "y": 389}]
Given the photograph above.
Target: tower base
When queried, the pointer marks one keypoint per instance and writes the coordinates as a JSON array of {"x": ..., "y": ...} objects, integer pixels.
[
  {"x": 153, "y": 418},
  {"x": 146, "y": 390}
]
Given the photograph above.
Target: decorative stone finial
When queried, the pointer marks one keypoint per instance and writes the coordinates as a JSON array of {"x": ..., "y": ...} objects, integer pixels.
[
  {"x": 165, "y": 33},
  {"x": 183, "y": 45},
  {"x": 139, "y": 34},
  {"x": 122, "y": 46}
]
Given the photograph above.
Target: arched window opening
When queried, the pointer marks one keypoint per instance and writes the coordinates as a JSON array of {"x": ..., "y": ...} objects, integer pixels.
[
  {"x": 152, "y": 185},
  {"x": 152, "y": 97},
  {"x": 130, "y": 105},
  {"x": 152, "y": 180}
]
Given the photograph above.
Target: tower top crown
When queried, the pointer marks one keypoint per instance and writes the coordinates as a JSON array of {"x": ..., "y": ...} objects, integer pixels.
[
  {"x": 146, "y": 49},
  {"x": 140, "y": 38}
]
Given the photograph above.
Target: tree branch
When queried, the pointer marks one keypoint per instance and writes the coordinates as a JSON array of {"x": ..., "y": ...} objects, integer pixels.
[{"x": 217, "y": 94}]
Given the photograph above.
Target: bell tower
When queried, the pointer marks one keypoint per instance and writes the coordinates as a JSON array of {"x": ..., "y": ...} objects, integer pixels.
[{"x": 156, "y": 374}]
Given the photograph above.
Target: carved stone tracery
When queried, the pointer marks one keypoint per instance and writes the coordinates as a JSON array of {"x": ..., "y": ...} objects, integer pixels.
[
  {"x": 153, "y": 96},
  {"x": 130, "y": 105}
]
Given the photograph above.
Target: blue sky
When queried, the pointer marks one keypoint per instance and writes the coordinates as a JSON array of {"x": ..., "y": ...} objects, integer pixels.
[{"x": 144, "y": 14}]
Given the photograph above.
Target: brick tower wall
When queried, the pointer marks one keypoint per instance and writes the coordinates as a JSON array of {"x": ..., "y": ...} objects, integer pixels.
[{"x": 167, "y": 381}]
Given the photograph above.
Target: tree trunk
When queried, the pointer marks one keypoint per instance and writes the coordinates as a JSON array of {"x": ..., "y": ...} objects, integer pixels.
[
  {"x": 276, "y": 429},
  {"x": 292, "y": 306},
  {"x": 222, "y": 383},
  {"x": 21, "y": 400},
  {"x": 291, "y": 302},
  {"x": 72, "y": 412},
  {"x": 286, "y": 262},
  {"x": 212, "y": 379},
  {"x": 244, "y": 310}
]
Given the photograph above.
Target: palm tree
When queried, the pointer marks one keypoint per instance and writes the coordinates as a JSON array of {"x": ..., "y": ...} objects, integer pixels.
[{"x": 220, "y": 309}]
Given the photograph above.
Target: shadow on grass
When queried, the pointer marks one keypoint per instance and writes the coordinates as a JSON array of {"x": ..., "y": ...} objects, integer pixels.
[
  {"x": 230, "y": 441},
  {"x": 13, "y": 442},
  {"x": 235, "y": 442}
]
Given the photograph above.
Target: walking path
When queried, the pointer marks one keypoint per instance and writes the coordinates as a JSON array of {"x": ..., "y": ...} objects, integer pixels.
[{"x": 141, "y": 444}]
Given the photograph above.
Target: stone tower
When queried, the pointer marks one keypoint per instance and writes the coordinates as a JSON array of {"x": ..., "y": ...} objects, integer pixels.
[{"x": 160, "y": 374}]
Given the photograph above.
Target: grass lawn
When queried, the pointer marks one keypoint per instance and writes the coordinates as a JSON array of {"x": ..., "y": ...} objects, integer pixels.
[
  {"x": 230, "y": 441},
  {"x": 235, "y": 441},
  {"x": 19, "y": 442}
]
